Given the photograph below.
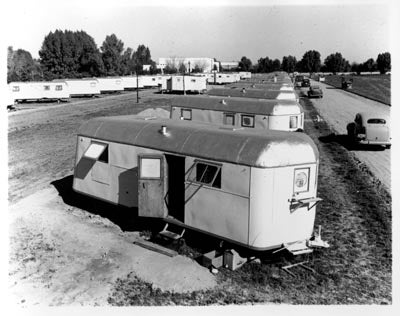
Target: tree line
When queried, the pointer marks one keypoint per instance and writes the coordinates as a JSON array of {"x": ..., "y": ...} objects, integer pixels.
[
  {"x": 74, "y": 54},
  {"x": 311, "y": 62}
]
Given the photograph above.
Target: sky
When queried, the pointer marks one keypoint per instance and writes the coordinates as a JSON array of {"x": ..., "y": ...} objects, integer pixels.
[{"x": 226, "y": 30}]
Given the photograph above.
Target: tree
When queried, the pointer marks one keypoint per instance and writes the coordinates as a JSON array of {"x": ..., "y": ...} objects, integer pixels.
[
  {"x": 288, "y": 63},
  {"x": 67, "y": 54},
  {"x": 383, "y": 62},
  {"x": 127, "y": 64},
  {"x": 264, "y": 65},
  {"x": 245, "y": 64},
  {"x": 336, "y": 63},
  {"x": 141, "y": 57},
  {"x": 21, "y": 66},
  {"x": 311, "y": 61},
  {"x": 369, "y": 65},
  {"x": 276, "y": 65},
  {"x": 181, "y": 67},
  {"x": 111, "y": 55}
]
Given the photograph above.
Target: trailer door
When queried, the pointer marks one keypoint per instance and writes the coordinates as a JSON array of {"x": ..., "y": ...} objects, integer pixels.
[{"x": 151, "y": 186}]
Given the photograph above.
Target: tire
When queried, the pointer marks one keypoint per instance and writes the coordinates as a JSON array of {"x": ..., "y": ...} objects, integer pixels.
[
  {"x": 351, "y": 132},
  {"x": 388, "y": 146}
]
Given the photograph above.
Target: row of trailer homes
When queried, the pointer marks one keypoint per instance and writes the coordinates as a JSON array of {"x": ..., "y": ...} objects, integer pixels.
[
  {"x": 63, "y": 89},
  {"x": 235, "y": 166}
]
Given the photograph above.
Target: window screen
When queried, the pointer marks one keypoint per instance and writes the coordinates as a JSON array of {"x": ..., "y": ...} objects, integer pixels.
[
  {"x": 186, "y": 114},
  {"x": 15, "y": 88},
  {"x": 59, "y": 87},
  {"x": 247, "y": 120},
  {"x": 293, "y": 122},
  {"x": 97, "y": 151},
  {"x": 229, "y": 119},
  {"x": 150, "y": 168},
  {"x": 46, "y": 87}
]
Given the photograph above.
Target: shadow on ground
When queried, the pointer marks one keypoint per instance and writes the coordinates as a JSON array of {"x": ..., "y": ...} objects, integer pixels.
[{"x": 344, "y": 141}]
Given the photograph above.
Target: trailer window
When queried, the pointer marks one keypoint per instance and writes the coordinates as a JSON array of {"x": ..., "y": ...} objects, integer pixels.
[
  {"x": 293, "y": 122},
  {"x": 93, "y": 84},
  {"x": 46, "y": 88},
  {"x": 207, "y": 174},
  {"x": 97, "y": 151},
  {"x": 229, "y": 119},
  {"x": 59, "y": 87},
  {"x": 193, "y": 80},
  {"x": 247, "y": 120},
  {"x": 376, "y": 121},
  {"x": 186, "y": 114},
  {"x": 150, "y": 168},
  {"x": 15, "y": 88}
]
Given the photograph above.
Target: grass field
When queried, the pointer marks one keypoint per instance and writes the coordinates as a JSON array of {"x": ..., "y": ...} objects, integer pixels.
[{"x": 376, "y": 87}]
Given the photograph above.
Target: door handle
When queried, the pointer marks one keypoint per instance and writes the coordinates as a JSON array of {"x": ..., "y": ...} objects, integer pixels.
[{"x": 143, "y": 186}]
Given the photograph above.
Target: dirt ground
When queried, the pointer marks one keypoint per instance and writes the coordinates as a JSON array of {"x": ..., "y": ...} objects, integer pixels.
[{"x": 66, "y": 251}]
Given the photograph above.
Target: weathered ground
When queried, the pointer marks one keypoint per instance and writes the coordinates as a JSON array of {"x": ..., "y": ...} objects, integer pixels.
[{"x": 68, "y": 250}]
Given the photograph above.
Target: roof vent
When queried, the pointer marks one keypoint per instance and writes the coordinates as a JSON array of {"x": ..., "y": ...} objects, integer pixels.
[
  {"x": 164, "y": 131},
  {"x": 223, "y": 101}
]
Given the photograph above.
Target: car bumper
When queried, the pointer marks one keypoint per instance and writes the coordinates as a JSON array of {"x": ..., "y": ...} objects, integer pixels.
[{"x": 374, "y": 142}]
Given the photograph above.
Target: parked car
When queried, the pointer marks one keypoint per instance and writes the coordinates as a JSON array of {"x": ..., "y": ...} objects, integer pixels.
[
  {"x": 315, "y": 92},
  {"x": 305, "y": 82},
  {"x": 347, "y": 83},
  {"x": 370, "y": 128}
]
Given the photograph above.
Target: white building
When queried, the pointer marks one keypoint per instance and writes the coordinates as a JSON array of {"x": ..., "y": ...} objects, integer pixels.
[{"x": 204, "y": 63}]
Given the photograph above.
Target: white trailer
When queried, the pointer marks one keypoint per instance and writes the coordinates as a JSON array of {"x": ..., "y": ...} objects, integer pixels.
[
  {"x": 262, "y": 115},
  {"x": 110, "y": 84},
  {"x": 37, "y": 91},
  {"x": 131, "y": 82},
  {"x": 149, "y": 81},
  {"x": 258, "y": 190},
  {"x": 187, "y": 83},
  {"x": 245, "y": 74},
  {"x": 81, "y": 87},
  {"x": 222, "y": 78},
  {"x": 255, "y": 94}
]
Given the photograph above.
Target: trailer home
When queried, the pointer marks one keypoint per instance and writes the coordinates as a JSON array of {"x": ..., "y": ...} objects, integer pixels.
[
  {"x": 149, "y": 81},
  {"x": 221, "y": 78},
  {"x": 36, "y": 91},
  {"x": 284, "y": 115},
  {"x": 131, "y": 82},
  {"x": 255, "y": 94},
  {"x": 245, "y": 74},
  {"x": 255, "y": 189},
  {"x": 81, "y": 87},
  {"x": 187, "y": 83},
  {"x": 110, "y": 84},
  {"x": 262, "y": 86}
]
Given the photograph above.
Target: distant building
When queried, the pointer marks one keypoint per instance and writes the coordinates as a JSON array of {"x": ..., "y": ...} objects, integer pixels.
[
  {"x": 146, "y": 67},
  {"x": 228, "y": 65},
  {"x": 205, "y": 64}
]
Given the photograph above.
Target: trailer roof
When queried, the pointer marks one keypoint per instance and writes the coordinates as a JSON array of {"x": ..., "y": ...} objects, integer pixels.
[
  {"x": 252, "y": 93},
  {"x": 267, "y": 86},
  {"x": 207, "y": 141},
  {"x": 238, "y": 104}
]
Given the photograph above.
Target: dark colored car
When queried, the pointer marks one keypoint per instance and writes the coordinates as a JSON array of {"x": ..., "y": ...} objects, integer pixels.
[
  {"x": 315, "y": 92},
  {"x": 305, "y": 82},
  {"x": 347, "y": 83}
]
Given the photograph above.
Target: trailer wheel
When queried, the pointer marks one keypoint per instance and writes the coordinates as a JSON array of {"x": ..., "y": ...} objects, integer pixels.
[{"x": 388, "y": 146}]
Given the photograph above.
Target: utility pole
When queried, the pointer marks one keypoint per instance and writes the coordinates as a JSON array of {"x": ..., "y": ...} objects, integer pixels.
[
  {"x": 137, "y": 83},
  {"x": 184, "y": 70}
]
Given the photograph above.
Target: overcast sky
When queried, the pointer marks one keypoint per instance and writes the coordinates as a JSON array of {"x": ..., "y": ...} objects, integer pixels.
[{"x": 358, "y": 31}]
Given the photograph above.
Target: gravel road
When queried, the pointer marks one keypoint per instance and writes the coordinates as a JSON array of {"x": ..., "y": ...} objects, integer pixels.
[{"x": 338, "y": 108}]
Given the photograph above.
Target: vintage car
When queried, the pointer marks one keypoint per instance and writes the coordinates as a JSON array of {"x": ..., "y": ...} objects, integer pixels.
[
  {"x": 347, "y": 83},
  {"x": 305, "y": 82},
  {"x": 314, "y": 92},
  {"x": 370, "y": 128}
]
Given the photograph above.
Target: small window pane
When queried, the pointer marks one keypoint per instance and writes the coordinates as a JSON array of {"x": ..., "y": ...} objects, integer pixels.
[
  {"x": 59, "y": 87},
  {"x": 150, "y": 168},
  {"x": 46, "y": 87},
  {"x": 206, "y": 173},
  {"x": 95, "y": 150},
  {"x": 229, "y": 119},
  {"x": 93, "y": 84},
  {"x": 186, "y": 114},
  {"x": 193, "y": 80},
  {"x": 247, "y": 121},
  {"x": 15, "y": 88},
  {"x": 293, "y": 122},
  {"x": 376, "y": 121}
]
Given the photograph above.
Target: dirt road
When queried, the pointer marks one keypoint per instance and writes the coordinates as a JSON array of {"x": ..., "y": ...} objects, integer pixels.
[{"x": 338, "y": 108}]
